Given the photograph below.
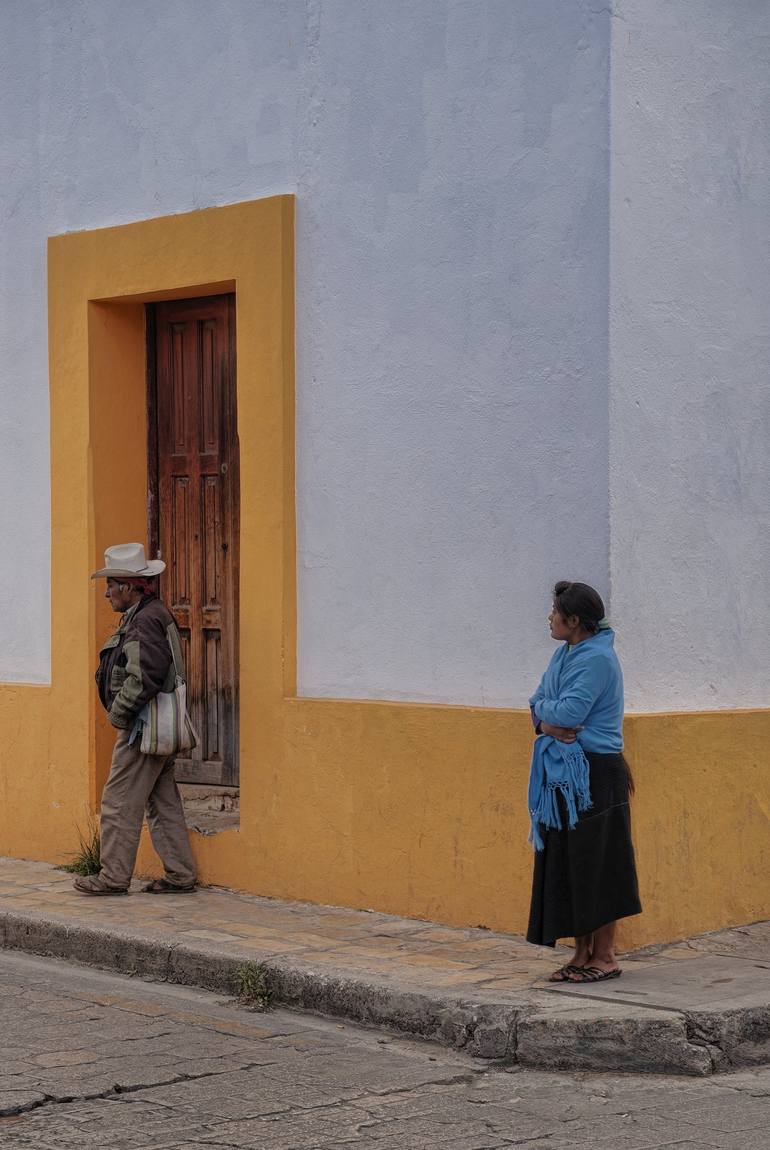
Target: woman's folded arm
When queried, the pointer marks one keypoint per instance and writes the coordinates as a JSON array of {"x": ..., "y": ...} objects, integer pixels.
[{"x": 578, "y": 698}]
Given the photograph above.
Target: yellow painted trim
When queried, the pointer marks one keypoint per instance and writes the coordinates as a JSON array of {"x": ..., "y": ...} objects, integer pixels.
[
  {"x": 416, "y": 809},
  {"x": 420, "y": 810},
  {"x": 98, "y": 282}
]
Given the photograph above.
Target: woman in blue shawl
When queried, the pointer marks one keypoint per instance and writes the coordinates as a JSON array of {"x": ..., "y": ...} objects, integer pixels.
[{"x": 585, "y": 875}]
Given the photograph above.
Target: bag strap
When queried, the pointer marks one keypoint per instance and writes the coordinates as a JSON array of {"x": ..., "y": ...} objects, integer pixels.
[{"x": 174, "y": 642}]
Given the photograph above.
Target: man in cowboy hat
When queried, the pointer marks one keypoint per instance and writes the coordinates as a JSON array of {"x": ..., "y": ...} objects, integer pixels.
[{"x": 134, "y": 665}]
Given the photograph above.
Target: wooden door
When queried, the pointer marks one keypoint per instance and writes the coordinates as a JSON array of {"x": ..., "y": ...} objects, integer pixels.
[{"x": 194, "y": 506}]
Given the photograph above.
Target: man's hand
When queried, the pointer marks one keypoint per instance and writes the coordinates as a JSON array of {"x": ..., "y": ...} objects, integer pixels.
[{"x": 563, "y": 734}]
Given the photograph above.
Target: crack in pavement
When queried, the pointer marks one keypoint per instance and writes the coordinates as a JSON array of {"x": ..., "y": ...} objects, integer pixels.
[{"x": 117, "y": 1092}]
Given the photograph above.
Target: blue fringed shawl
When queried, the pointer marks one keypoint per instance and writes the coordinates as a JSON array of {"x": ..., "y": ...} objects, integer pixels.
[{"x": 556, "y": 767}]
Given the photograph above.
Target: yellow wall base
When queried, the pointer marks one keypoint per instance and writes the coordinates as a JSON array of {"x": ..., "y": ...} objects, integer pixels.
[
  {"x": 417, "y": 810},
  {"x": 421, "y": 811}
]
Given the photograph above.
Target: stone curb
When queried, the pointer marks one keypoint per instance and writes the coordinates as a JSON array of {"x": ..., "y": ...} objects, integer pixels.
[{"x": 566, "y": 1034}]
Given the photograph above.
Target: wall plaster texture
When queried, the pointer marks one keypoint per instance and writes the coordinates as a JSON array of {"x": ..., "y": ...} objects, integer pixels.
[
  {"x": 690, "y": 351},
  {"x": 455, "y": 239},
  {"x": 450, "y": 164}
]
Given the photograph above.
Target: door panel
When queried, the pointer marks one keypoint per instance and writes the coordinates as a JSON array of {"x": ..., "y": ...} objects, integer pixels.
[{"x": 194, "y": 508}]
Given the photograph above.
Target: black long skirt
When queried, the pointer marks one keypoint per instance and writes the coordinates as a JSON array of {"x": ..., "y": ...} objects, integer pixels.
[{"x": 585, "y": 878}]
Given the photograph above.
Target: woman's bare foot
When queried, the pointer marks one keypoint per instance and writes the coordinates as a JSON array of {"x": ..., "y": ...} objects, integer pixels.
[
  {"x": 566, "y": 973},
  {"x": 602, "y": 956},
  {"x": 582, "y": 955},
  {"x": 584, "y": 950}
]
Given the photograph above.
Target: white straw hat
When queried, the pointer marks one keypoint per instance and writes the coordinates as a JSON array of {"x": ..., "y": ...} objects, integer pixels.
[{"x": 128, "y": 561}]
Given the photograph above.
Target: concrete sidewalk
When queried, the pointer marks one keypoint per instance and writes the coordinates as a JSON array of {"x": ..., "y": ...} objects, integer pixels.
[{"x": 696, "y": 1007}]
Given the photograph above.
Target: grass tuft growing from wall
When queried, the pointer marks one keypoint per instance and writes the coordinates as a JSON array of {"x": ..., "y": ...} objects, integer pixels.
[{"x": 87, "y": 858}]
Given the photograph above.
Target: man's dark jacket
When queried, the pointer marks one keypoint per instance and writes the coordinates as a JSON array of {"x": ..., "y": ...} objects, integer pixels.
[{"x": 135, "y": 663}]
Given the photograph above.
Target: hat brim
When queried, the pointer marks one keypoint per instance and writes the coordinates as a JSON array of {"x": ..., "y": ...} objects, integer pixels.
[{"x": 154, "y": 567}]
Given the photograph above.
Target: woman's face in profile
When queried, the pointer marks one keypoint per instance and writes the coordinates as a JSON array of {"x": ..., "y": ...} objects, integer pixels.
[{"x": 558, "y": 625}]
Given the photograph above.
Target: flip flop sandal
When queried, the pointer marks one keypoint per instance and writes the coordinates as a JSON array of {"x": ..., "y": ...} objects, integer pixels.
[
  {"x": 563, "y": 973},
  {"x": 92, "y": 884},
  {"x": 595, "y": 974},
  {"x": 163, "y": 886}
]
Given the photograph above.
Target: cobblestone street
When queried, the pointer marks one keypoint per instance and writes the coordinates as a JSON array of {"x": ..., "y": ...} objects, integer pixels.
[{"x": 92, "y": 1060}]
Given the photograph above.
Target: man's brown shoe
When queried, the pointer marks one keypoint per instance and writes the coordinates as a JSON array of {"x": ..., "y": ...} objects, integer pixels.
[
  {"x": 163, "y": 886},
  {"x": 95, "y": 884}
]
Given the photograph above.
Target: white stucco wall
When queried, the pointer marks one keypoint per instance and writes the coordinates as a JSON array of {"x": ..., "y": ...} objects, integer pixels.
[
  {"x": 113, "y": 112},
  {"x": 450, "y": 162},
  {"x": 515, "y": 361},
  {"x": 690, "y": 351},
  {"x": 452, "y": 343}
]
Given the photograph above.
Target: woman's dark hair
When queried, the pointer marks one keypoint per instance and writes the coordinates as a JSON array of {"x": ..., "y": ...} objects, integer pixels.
[{"x": 581, "y": 600}]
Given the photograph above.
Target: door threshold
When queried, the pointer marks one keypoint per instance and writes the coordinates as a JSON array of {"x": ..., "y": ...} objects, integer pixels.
[{"x": 210, "y": 808}]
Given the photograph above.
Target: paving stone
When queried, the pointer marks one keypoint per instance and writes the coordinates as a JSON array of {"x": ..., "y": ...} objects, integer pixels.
[
  {"x": 307, "y": 1083},
  {"x": 755, "y": 1082},
  {"x": 611, "y": 1036},
  {"x": 65, "y": 1058},
  {"x": 637, "y": 1129},
  {"x": 744, "y": 1140},
  {"x": 465, "y": 987},
  {"x": 729, "y": 1114}
]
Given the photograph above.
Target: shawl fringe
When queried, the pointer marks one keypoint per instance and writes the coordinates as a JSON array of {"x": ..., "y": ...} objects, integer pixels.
[{"x": 556, "y": 767}]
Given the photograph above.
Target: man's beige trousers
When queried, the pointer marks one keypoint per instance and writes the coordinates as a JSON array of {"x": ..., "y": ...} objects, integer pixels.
[{"x": 137, "y": 783}]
